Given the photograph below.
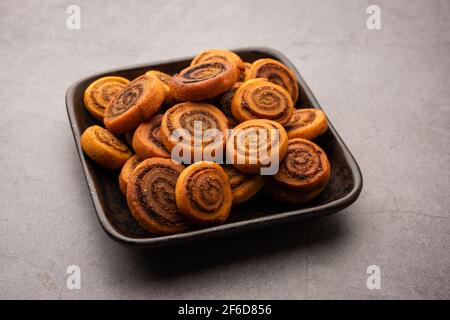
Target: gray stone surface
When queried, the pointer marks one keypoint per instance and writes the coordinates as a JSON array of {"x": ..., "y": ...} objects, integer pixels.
[{"x": 387, "y": 93}]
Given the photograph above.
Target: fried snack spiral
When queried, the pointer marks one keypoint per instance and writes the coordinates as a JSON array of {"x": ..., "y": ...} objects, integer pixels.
[
  {"x": 147, "y": 139},
  {"x": 221, "y": 55},
  {"x": 126, "y": 172},
  {"x": 307, "y": 124},
  {"x": 100, "y": 93},
  {"x": 136, "y": 103},
  {"x": 244, "y": 186},
  {"x": 104, "y": 148},
  {"x": 261, "y": 99},
  {"x": 255, "y": 144},
  {"x": 169, "y": 100},
  {"x": 151, "y": 196},
  {"x": 203, "y": 193},
  {"x": 275, "y": 72},
  {"x": 203, "y": 81},
  {"x": 303, "y": 174},
  {"x": 185, "y": 116}
]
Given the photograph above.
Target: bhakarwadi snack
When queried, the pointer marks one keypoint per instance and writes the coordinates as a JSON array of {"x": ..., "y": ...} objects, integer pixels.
[
  {"x": 244, "y": 186},
  {"x": 203, "y": 193},
  {"x": 100, "y": 93},
  {"x": 126, "y": 172},
  {"x": 275, "y": 72},
  {"x": 269, "y": 137},
  {"x": 303, "y": 174},
  {"x": 203, "y": 81},
  {"x": 255, "y": 144},
  {"x": 185, "y": 116},
  {"x": 136, "y": 103},
  {"x": 104, "y": 148},
  {"x": 221, "y": 55},
  {"x": 147, "y": 139},
  {"x": 151, "y": 196},
  {"x": 306, "y": 124},
  {"x": 261, "y": 99}
]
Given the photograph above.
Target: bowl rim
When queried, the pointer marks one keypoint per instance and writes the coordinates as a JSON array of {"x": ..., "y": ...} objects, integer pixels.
[{"x": 334, "y": 206}]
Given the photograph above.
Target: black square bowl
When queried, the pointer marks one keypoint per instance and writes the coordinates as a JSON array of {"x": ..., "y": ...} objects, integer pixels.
[{"x": 110, "y": 205}]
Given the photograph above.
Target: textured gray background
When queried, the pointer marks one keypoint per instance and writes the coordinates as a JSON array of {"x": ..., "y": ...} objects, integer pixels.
[{"x": 387, "y": 93}]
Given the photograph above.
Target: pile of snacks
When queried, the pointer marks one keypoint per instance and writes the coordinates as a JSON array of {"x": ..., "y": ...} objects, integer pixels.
[{"x": 218, "y": 91}]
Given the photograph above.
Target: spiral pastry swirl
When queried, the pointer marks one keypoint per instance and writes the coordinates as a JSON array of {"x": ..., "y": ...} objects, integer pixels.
[
  {"x": 255, "y": 144},
  {"x": 126, "y": 172},
  {"x": 104, "y": 148},
  {"x": 187, "y": 116},
  {"x": 303, "y": 174},
  {"x": 100, "y": 93},
  {"x": 136, "y": 103},
  {"x": 203, "y": 81},
  {"x": 244, "y": 186},
  {"x": 221, "y": 55},
  {"x": 147, "y": 139},
  {"x": 203, "y": 193},
  {"x": 275, "y": 72},
  {"x": 261, "y": 99},
  {"x": 151, "y": 196},
  {"x": 306, "y": 124}
]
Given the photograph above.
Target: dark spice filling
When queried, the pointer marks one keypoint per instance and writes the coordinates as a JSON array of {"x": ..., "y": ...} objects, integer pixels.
[
  {"x": 110, "y": 140},
  {"x": 210, "y": 189},
  {"x": 163, "y": 176},
  {"x": 127, "y": 99},
  {"x": 300, "y": 119},
  {"x": 202, "y": 72},
  {"x": 278, "y": 75}
]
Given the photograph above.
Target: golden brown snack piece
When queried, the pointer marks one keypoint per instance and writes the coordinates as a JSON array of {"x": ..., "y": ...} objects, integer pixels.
[
  {"x": 261, "y": 99},
  {"x": 169, "y": 100},
  {"x": 221, "y": 55},
  {"x": 203, "y": 81},
  {"x": 244, "y": 186},
  {"x": 307, "y": 124},
  {"x": 100, "y": 93},
  {"x": 151, "y": 196},
  {"x": 203, "y": 193},
  {"x": 147, "y": 139},
  {"x": 126, "y": 172},
  {"x": 255, "y": 144},
  {"x": 185, "y": 116},
  {"x": 303, "y": 174},
  {"x": 275, "y": 72},
  {"x": 104, "y": 148},
  {"x": 136, "y": 103}
]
